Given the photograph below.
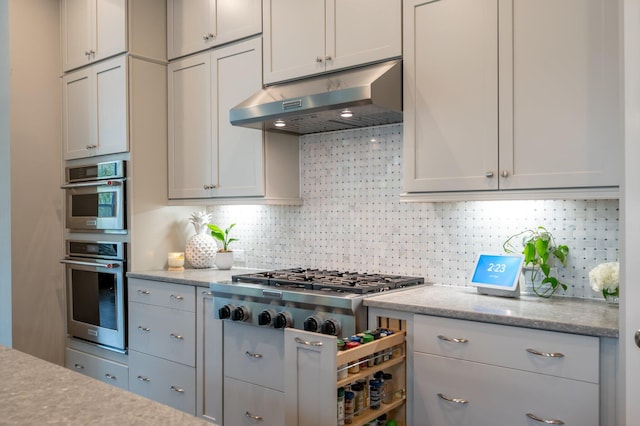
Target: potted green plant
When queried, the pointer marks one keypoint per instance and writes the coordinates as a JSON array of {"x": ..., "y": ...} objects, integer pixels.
[
  {"x": 224, "y": 256},
  {"x": 540, "y": 254}
]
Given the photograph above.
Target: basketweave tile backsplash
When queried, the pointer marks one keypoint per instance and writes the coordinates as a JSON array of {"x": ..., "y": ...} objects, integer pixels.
[{"x": 352, "y": 219}]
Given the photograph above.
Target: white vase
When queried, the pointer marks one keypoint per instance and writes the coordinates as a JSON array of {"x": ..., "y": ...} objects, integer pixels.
[
  {"x": 224, "y": 260},
  {"x": 200, "y": 251}
]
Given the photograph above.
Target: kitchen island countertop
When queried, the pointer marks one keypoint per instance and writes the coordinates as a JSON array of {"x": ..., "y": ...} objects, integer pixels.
[
  {"x": 570, "y": 315},
  {"x": 35, "y": 391}
]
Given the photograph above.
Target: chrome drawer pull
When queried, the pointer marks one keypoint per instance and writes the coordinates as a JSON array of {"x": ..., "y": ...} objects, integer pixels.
[
  {"x": 453, "y": 340},
  {"x": 78, "y": 366},
  {"x": 176, "y": 336},
  {"x": 545, "y": 421},
  {"x": 250, "y": 355},
  {"x": 145, "y": 329},
  {"x": 177, "y": 389},
  {"x": 207, "y": 293},
  {"x": 144, "y": 379},
  {"x": 145, "y": 292},
  {"x": 456, "y": 400},
  {"x": 178, "y": 298},
  {"x": 110, "y": 376},
  {"x": 252, "y": 417},
  {"x": 307, "y": 343},
  {"x": 547, "y": 354}
]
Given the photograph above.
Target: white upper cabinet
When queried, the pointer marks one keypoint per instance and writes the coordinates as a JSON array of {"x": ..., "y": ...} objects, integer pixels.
[
  {"x": 196, "y": 25},
  {"x": 302, "y": 38},
  {"x": 208, "y": 157},
  {"x": 511, "y": 95},
  {"x": 94, "y": 109},
  {"x": 92, "y": 30}
]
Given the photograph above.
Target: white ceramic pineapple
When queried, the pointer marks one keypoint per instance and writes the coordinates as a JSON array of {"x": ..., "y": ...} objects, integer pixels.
[{"x": 200, "y": 250}]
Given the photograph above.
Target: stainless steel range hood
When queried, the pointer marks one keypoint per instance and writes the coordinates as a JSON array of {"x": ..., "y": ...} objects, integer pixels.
[{"x": 371, "y": 94}]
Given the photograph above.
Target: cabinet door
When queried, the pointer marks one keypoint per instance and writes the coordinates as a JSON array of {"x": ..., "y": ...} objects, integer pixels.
[
  {"x": 236, "y": 71},
  {"x": 189, "y": 25},
  {"x": 246, "y": 404},
  {"x": 195, "y": 25},
  {"x": 109, "y": 34},
  {"x": 164, "y": 381},
  {"x": 208, "y": 360},
  {"x": 450, "y": 95},
  {"x": 559, "y": 94},
  {"x": 101, "y": 369},
  {"x": 163, "y": 332},
  {"x": 294, "y": 38},
  {"x": 91, "y": 30},
  {"x": 76, "y": 33},
  {"x": 496, "y": 395},
  {"x": 192, "y": 159},
  {"x": 310, "y": 360},
  {"x": 78, "y": 114},
  {"x": 362, "y": 31},
  {"x": 112, "y": 107}
]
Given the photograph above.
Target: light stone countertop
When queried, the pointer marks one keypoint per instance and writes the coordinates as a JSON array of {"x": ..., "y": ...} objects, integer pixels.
[
  {"x": 37, "y": 392},
  {"x": 570, "y": 315}
]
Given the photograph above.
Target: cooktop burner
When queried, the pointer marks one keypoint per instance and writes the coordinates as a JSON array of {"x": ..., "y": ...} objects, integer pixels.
[{"x": 330, "y": 281}]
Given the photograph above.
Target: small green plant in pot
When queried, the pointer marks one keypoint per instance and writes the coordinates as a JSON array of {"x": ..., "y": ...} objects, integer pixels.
[
  {"x": 540, "y": 253},
  {"x": 222, "y": 236},
  {"x": 224, "y": 256}
]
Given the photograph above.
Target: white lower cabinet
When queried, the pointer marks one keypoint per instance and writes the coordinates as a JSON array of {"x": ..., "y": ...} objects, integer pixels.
[
  {"x": 470, "y": 373},
  {"x": 162, "y": 343},
  {"x": 250, "y": 404},
  {"x": 164, "y": 381},
  {"x": 97, "y": 367},
  {"x": 253, "y": 375}
]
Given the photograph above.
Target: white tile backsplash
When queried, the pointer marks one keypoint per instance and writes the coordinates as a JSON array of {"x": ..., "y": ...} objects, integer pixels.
[{"x": 352, "y": 219}]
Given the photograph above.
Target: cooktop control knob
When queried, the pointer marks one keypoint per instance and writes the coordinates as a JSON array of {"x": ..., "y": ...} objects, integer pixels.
[
  {"x": 283, "y": 320},
  {"x": 266, "y": 317},
  {"x": 331, "y": 327},
  {"x": 241, "y": 313},
  {"x": 225, "y": 312},
  {"x": 312, "y": 323}
]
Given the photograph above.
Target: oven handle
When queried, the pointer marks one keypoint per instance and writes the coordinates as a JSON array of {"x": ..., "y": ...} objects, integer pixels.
[
  {"x": 110, "y": 182},
  {"x": 98, "y": 265}
]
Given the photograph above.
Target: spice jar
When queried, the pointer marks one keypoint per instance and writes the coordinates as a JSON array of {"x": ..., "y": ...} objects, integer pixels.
[
  {"x": 349, "y": 400},
  {"x": 387, "y": 388},
  {"x": 375, "y": 387},
  {"x": 354, "y": 368},
  {"x": 358, "y": 400}
]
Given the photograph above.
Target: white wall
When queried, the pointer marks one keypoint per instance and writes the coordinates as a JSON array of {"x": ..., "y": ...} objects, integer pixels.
[
  {"x": 5, "y": 181},
  {"x": 36, "y": 163}
]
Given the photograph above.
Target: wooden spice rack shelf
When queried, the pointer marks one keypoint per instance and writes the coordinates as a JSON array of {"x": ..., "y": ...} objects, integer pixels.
[{"x": 396, "y": 342}]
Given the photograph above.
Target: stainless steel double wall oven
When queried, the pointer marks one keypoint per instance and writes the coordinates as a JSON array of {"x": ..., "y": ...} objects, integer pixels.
[{"x": 95, "y": 256}]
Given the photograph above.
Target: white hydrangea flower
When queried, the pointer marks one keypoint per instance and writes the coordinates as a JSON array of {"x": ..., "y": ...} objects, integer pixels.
[{"x": 605, "y": 276}]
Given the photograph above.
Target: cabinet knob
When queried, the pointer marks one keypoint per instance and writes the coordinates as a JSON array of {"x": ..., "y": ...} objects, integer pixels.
[
  {"x": 177, "y": 389},
  {"x": 318, "y": 59},
  {"x": 328, "y": 58},
  {"x": 488, "y": 174},
  {"x": 450, "y": 399},
  {"x": 504, "y": 174},
  {"x": 252, "y": 417},
  {"x": 545, "y": 421},
  {"x": 546, "y": 354}
]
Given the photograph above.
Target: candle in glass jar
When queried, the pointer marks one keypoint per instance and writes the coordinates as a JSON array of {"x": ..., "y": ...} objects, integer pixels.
[{"x": 175, "y": 259}]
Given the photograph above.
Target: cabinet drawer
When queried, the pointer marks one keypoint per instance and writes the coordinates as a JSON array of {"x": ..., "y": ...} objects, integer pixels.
[
  {"x": 255, "y": 355},
  {"x": 167, "y": 333},
  {"x": 496, "y": 395},
  {"x": 244, "y": 400},
  {"x": 167, "y": 295},
  {"x": 511, "y": 347},
  {"x": 163, "y": 381},
  {"x": 104, "y": 370}
]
